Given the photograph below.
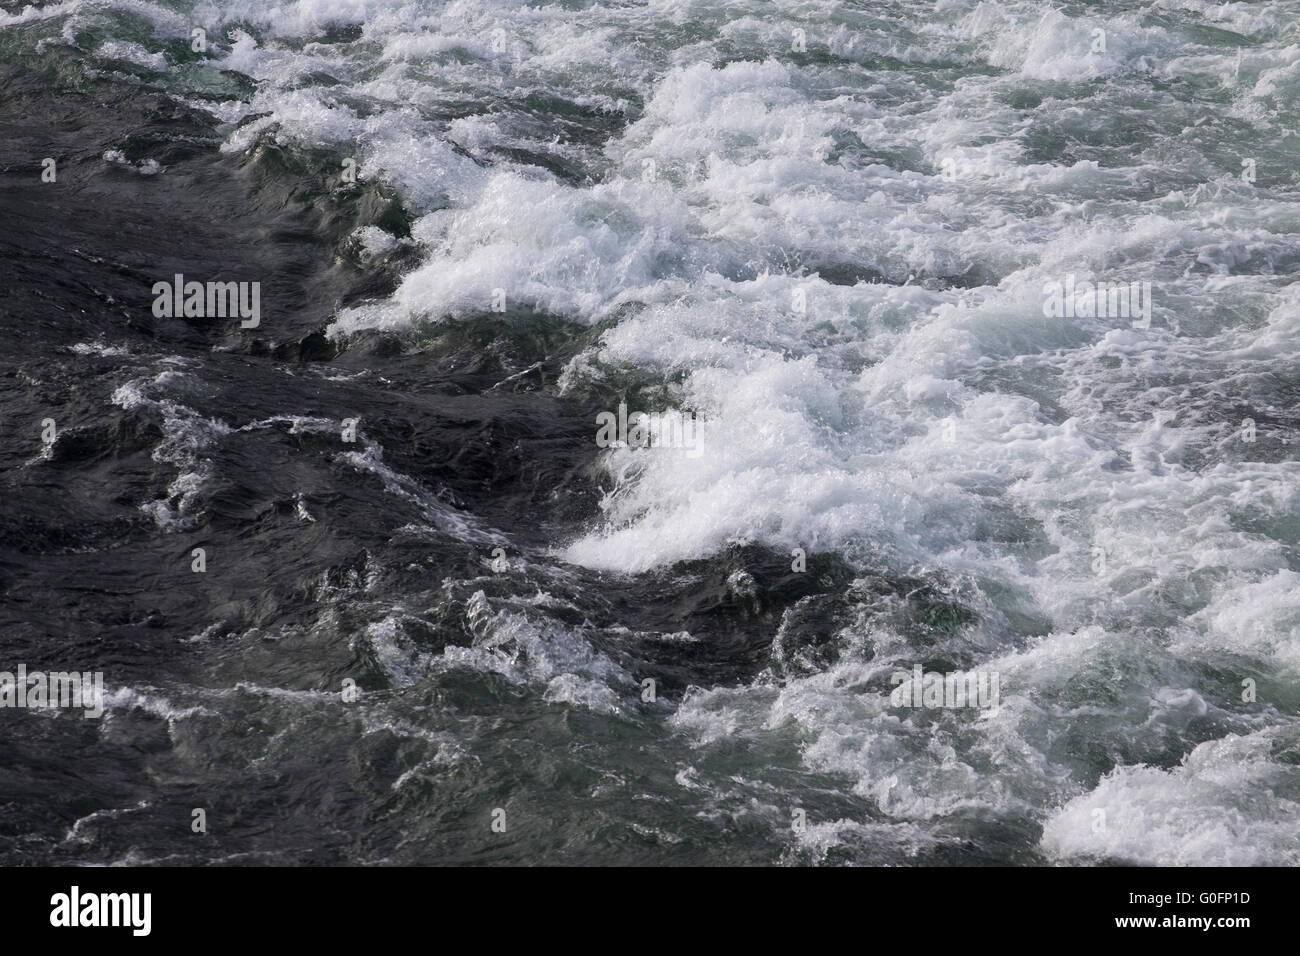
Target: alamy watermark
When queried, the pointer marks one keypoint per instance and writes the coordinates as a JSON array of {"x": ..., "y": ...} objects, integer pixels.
[
  {"x": 671, "y": 429},
  {"x": 76, "y": 909},
  {"x": 931, "y": 689},
  {"x": 1115, "y": 300},
  {"x": 56, "y": 689},
  {"x": 212, "y": 300}
]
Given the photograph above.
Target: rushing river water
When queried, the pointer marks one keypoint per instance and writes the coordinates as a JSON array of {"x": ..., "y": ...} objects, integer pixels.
[{"x": 845, "y": 249}]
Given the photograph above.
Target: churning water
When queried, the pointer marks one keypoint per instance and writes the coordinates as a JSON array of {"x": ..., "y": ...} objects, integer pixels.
[{"x": 824, "y": 232}]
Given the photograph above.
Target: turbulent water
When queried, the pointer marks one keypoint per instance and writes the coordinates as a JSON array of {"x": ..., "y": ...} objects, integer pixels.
[{"x": 823, "y": 229}]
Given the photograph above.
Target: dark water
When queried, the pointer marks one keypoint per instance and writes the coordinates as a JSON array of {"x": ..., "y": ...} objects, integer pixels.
[{"x": 257, "y": 642}]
